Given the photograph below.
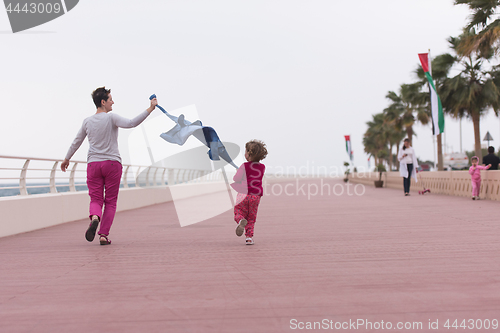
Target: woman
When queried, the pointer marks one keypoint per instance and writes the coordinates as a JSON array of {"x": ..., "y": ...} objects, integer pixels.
[
  {"x": 407, "y": 165},
  {"x": 104, "y": 168}
]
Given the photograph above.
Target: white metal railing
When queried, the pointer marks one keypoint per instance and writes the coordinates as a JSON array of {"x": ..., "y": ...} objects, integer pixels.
[{"x": 26, "y": 174}]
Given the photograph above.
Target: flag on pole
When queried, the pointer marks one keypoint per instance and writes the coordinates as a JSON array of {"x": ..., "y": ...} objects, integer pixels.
[
  {"x": 348, "y": 146},
  {"x": 436, "y": 108}
]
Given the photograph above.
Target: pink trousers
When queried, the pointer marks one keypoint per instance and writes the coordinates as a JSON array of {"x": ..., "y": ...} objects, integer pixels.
[
  {"x": 103, "y": 181},
  {"x": 246, "y": 208},
  {"x": 476, "y": 186}
]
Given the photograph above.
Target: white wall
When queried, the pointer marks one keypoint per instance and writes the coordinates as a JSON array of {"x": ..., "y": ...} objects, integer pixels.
[{"x": 27, "y": 213}]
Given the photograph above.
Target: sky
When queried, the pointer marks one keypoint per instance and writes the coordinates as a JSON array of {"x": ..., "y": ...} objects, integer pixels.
[{"x": 298, "y": 75}]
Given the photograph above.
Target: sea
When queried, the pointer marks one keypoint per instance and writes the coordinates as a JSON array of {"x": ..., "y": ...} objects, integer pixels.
[{"x": 43, "y": 188}]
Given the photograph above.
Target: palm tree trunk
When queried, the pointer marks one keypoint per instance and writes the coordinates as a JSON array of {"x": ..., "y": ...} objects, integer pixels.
[
  {"x": 390, "y": 156},
  {"x": 397, "y": 154},
  {"x": 477, "y": 138},
  {"x": 409, "y": 132},
  {"x": 440, "y": 153}
]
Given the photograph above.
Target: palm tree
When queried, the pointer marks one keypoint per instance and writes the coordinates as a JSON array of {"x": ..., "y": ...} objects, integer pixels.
[
  {"x": 485, "y": 32},
  {"x": 380, "y": 138},
  {"x": 374, "y": 138},
  {"x": 394, "y": 138},
  {"x": 407, "y": 108},
  {"x": 370, "y": 146},
  {"x": 473, "y": 90}
]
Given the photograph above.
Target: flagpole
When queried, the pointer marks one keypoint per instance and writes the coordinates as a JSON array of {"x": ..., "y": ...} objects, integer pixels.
[
  {"x": 434, "y": 143},
  {"x": 147, "y": 144},
  {"x": 227, "y": 183}
]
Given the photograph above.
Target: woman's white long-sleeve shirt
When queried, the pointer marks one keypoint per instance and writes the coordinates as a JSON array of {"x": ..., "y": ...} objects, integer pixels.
[
  {"x": 409, "y": 155},
  {"x": 404, "y": 161},
  {"x": 102, "y": 132}
]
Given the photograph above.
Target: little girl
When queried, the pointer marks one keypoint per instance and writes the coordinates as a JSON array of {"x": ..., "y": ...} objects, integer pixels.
[
  {"x": 248, "y": 184},
  {"x": 475, "y": 172}
]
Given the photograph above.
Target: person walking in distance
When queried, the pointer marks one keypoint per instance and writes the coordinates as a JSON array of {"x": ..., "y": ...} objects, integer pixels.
[
  {"x": 407, "y": 165},
  {"x": 104, "y": 168}
]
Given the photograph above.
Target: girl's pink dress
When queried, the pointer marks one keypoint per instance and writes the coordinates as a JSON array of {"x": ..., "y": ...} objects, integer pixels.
[
  {"x": 476, "y": 178},
  {"x": 248, "y": 184}
]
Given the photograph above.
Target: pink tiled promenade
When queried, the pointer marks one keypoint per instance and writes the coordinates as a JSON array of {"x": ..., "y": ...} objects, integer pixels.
[{"x": 375, "y": 257}]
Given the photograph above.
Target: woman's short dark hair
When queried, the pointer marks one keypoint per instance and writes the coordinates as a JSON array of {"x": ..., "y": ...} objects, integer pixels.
[
  {"x": 100, "y": 94},
  {"x": 257, "y": 150}
]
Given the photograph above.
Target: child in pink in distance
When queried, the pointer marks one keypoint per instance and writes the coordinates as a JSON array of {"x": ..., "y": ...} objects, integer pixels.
[
  {"x": 248, "y": 184},
  {"x": 475, "y": 172}
]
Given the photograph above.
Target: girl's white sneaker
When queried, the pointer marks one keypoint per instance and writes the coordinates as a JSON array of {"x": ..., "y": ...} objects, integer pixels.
[
  {"x": 241, "y": 227},
  {"x": 249, "y": 241}
]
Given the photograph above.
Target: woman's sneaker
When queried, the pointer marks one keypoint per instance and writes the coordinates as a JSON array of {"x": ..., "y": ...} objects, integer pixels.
[{"x": 241, "y": 227}]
